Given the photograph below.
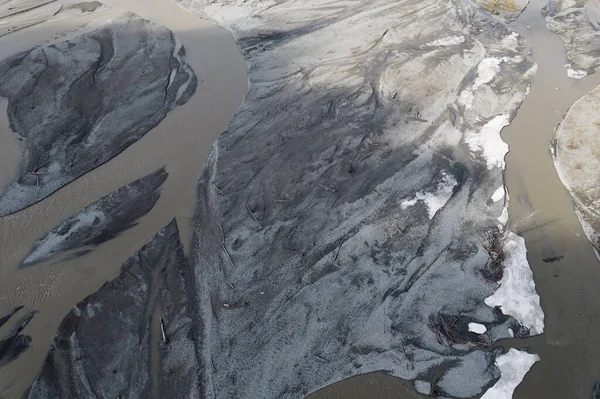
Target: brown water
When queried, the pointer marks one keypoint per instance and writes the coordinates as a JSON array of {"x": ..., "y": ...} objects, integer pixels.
[
  {"x": 570, "y": 347},
  {"x": 181, "y": 142}
]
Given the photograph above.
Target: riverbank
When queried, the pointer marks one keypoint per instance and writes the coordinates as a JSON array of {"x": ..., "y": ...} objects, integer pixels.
[{"x": 180, "y": 142}]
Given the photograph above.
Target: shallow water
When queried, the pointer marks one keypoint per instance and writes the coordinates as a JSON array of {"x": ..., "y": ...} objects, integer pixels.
[
  {"x": 181, "y": 142},
  {"x": 570, "y": 347}
]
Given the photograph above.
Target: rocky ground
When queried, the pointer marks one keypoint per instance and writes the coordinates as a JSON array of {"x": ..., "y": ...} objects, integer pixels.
[
  {"x": 132, "y": 338},
  {"x": 577, "y": 22},
  {"x": 101, "y": 221},
  {"x": 70, "y": 107},
  {"x": 329, "y": 241},
  {"x": 577, "y": 160}
]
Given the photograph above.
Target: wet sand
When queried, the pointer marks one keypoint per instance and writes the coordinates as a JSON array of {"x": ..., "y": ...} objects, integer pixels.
[
  {"x": 570, "y": 347},
  {"x": 181, "y": 142}
]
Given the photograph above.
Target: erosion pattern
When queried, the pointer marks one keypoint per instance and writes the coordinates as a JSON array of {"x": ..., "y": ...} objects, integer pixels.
[
  {"x": 577, "y": 22},
  {"x": 76, "y": 104},
  {"x": 577, "y": 160},
  {"x": 102, "y": 220},
  {"x": 14, "y": 343},
  {"x": 341, "y": 215},
  {"x": 133, "y": 337}
]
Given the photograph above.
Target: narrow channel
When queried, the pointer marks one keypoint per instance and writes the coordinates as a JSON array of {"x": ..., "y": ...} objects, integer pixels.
[
  {"x": 181, "y": 141},
  {"x": 570, "y": 347}
]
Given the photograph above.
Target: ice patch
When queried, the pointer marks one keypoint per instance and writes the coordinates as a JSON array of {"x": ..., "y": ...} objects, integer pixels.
[
  {"x": 498, "y": 194},
  {"x": 446, "y": 41},
  {"x": 516, "y": 295},
  {"x": 513, "y": 366},
  {"x": 511, "y": 41},
  {"x": 436, "y": 200},
  {"x": 486, "y": 70},
  {"x": 489, "y": 142},
  {"x": 575, "y": 73},
  {"x": 477, "y": 328}
]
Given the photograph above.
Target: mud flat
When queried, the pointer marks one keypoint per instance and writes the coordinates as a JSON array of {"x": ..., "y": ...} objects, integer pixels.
[
  {"x": 180, "y": 142},
  {"x": 327, "y": 242}
]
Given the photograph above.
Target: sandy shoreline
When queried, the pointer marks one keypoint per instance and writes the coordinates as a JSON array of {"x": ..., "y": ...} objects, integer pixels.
[{"x": 181, "y": 142}]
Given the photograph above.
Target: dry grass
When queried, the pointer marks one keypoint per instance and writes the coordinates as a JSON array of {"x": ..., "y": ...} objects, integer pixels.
[
  {"x": 494, "y": 6},
  {"x": 494, "y": 245},
  {"x": 448, "y": 329},
  {"x": 572, "y": 144}
]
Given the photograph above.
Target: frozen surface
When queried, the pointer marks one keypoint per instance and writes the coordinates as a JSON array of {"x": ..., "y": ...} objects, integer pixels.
[
  {"x": 341, "y": 213},
  {"x": 513, "y": 366},
  {"x": 488, "y": 141},
  {"x": 517, "y": 296},
  {"x": 477, "y": 328}
]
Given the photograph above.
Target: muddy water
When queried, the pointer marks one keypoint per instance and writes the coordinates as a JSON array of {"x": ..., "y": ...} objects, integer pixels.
[
  {"x": 181, "y": 142},
  {"x": 570, "y": 347}
]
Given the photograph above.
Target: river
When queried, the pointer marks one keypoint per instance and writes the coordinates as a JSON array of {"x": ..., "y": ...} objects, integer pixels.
[{"x": 181, "y": 141}]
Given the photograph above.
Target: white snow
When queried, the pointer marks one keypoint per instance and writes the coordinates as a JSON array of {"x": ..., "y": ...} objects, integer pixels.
[
  {"x": 513, "y": 366},
  {"x": 446, "y": 41},
  {"x": 436, "y": 200},
  {"x": 576, "y": 73},
  {"x": 498, "y": 194},
  {"x": 516, "y": 295},
  {"x": 503, "y": 218},
  {"x": 511, "y": 41},
  {"x": 488, "y": 141},
  {"x": 486, "y": 70},
  {"x": 477, "y": 328}
]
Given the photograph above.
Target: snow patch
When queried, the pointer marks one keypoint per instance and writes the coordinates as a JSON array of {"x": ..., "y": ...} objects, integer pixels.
[
  {"x": 489, "y": 142},
  {"x": 575, "y": 73},
  {"x": 477, "y": 328},
  {"x": 516, "y": 295},
  {"x": 446, "y": 41},
  {"x": 513, "y": 366},
  {"x": 498, "y": 194},
  {"x": 486, "y": 71},
  {"x": 436, "y": 200}
]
